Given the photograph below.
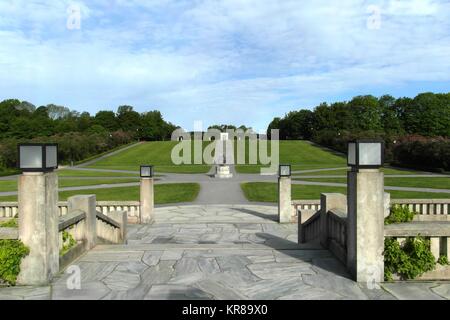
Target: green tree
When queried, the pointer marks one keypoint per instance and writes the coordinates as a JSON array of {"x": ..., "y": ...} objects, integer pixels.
[
  {"x": 129, "y": 120},
  {"x": 107, "y": 119},
  {"x": 366, "y": 113},
  {"x": 390, "y": 115},
  {"x": 84, "y": 121},
  {"x": 275, "y": 124},
  {"x": 428, "y": 115},
  {"x": 153, "y": 126}
]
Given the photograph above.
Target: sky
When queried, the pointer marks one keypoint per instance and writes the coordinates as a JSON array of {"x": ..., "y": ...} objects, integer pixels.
[{"x": 220, "y": 61}]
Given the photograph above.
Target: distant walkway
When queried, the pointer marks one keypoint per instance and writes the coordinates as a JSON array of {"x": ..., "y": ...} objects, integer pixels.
[
  {"x": 228, "y": 191},
  {"x": 88, "y": 163},
  {"x": 386, "y": 176},
  {"x": 318, "y": 170}
]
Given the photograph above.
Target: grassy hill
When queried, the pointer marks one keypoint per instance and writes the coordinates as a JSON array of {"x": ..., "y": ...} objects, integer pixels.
[
  {"x": 157, "y": 153},
  {"x": 302, "y": 155}
]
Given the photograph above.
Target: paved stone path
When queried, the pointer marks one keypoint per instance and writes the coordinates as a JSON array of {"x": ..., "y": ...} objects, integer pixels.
[{"x": 217, "y": 252}]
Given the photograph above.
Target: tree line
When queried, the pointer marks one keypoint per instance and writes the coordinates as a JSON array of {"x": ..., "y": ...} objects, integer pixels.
[
  {"x": 23, "y": 120},
  {"x": 416, "y": 130},
  {"x": 79, "y": 135}
]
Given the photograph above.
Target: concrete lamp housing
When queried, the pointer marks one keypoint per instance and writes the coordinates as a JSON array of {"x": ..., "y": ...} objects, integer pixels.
[
  {"x": 147, "y": 171},
  {"x": 38, "y": 157},
  {"x": 285, "y": 170},
  {"x": 365, "y": 154}
]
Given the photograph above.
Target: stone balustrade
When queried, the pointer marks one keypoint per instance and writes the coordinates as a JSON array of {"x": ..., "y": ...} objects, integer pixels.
[
  {"x": 9, "y": 234},
  {"x": 131, "y": 207},
  {"x": 111, "y": 228},
  {"x": 337, "y": 233},
  {"x": 331, "y": 228},
  {"x": 310, "y": 228},
  {"x": 298, "y": 205},
  {"x": 308, "y": 225},
  {"x": 8, "y": 209},
  {"x": 437, "y": 231},
  {"x": 75, "y": 224},
  {"x": 78, "y": 217},
  {"x": 427, "y": 209}
]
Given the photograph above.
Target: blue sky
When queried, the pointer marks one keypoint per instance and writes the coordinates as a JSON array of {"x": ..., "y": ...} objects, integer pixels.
[{"x": 221, "y": 61}]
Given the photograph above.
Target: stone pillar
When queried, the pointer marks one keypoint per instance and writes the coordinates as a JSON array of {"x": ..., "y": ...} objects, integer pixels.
[
  {"x": 284, "y": 200},
  {"x": 365, "y": 227},
  {"x": 329, "y": 201},
  {"x": 86, "y": 203},
  {"x": 38, "y": 227},
  {"x": 147, "y": 200}
]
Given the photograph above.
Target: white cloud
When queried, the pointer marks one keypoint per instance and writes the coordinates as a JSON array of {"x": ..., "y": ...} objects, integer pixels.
[{"x": 219, "y": 61}]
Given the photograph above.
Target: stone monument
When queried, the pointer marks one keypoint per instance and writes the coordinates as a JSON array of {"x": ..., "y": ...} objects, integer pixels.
[{"x": 222, "y": 169}]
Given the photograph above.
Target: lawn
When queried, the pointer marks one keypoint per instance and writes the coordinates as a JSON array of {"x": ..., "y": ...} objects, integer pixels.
[
  {"x": 302, "y": 155},
  {"x": 157, "y": 153},
  {"x": 268, "y": 192},
  {"x": 436, "y": 183},
  {"x": 84, "y": 173},
  {"x": 164, "y": 193},
  {"x": 11, "y": 185},
  {"x": 390, "y": 170}
]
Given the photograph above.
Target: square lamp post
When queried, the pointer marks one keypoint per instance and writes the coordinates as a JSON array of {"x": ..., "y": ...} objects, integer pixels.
[
  {"x": 365, "y": 208},
  {"x": 38, "y": 157},
  {"x": 147, "y": 171},
  {"x": 365, "y": 154},
  {"x": 38, "y": 218},
  {"x": 147, "y": 194}
]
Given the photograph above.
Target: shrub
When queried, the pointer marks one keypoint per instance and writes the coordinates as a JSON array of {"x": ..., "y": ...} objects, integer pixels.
[
  {"x": 423, "y": 153},
  {"x": 68, "y": 243},
  {"x": 11, "y": 254},
  {"x": 443, "y": 260},
  {"x": 399, "y": 214},
  {"x": 408, "y": 261},
  {"x": 9, "y": 224}
]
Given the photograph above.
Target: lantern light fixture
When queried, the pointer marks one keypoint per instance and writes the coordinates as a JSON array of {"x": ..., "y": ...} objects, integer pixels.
[
  {"x": 38, "y": 157},
  {"x": 365, "y": 154},
  {"x": 147, "y": 171},
  {"x": 284, "y": 170}
]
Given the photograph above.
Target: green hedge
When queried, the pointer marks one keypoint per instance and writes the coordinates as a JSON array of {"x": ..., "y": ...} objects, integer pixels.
[
  {"x": 430, "y": 154},
  {"x": 11, "y": 254}
]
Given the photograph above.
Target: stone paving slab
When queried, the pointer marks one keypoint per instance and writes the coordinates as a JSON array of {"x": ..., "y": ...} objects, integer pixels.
[
  {"x": 244, "y": 258},
  {"x": 25, "y": 293},
  {"x": 417, "y": 291}
]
